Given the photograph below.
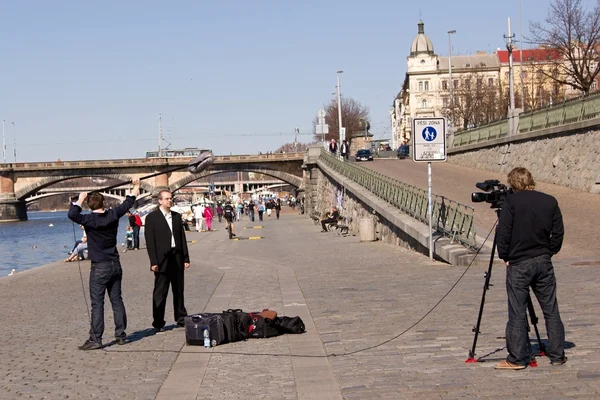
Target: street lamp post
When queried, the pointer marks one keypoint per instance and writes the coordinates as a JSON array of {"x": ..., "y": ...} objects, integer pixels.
[
  {"x": 339, "y": 106},
  {"x": 450, "y": 33}
]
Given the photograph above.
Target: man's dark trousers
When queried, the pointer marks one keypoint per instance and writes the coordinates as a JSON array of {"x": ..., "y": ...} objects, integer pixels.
[
  {"x": 106, "y": 276},
  {"x": 173, "y": 275},
  {"x": 136, "y": 237},
  {"x": 538, "y": 273},
  {"x": 327, "y": 221}
]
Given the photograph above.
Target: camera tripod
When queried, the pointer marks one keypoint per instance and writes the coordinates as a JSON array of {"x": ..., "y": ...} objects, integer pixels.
[{"x": 530, "y": 309}]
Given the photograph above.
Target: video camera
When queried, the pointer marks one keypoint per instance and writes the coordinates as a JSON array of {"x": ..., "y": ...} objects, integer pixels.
[{"x": 495, "y": 194}]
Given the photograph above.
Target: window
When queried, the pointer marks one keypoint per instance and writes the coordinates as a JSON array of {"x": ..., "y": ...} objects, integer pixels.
[
  {"x": 455, "y": 84},
  {"x": 479, "y": 83},
  {"x": 445, "y": 102},
  {"x": 490, "y": 82},
  {"x": 426, "y": 85},
  {"x": 595, "y": 85},
  {"x": 468, "y": 84},
  {"x": 444, "y": 85},
  {"x": 506, "y": 76},
  {"x": 420, "y": 86},
  {"x": 468, "y": 65},
  {"x": 424, "y": 103}
]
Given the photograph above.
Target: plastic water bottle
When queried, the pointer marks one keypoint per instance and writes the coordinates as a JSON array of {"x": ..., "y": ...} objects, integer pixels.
[{"x": 206, "y": 338}]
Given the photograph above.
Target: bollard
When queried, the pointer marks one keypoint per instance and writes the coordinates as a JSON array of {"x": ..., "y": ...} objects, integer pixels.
[{"x": 366, "y": 228}]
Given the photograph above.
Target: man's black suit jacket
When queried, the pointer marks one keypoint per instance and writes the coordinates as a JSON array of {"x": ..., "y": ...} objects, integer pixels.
[{"x": 158, "y": 240}]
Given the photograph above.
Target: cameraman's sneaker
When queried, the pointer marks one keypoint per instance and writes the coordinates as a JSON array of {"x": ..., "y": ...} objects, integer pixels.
[
  {"x": 559, "y": 362},
  {"x": 90, "y": 345}
]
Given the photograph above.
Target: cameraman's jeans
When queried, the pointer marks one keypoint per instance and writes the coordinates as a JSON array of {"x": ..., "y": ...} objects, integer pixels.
[
  {"x": 539, "y": 274},
  {"x": 106, "y": 276}
]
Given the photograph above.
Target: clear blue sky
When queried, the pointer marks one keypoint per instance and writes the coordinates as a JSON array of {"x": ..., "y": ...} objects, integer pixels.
[{"x": 87, "y": 80}]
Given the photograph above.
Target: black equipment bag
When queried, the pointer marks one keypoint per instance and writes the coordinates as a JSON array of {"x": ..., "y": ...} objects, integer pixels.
[
  {"x": 263, "y": 327},
  {"x": 291, "y": 325},
  {"x": 195, "y": 325},
  {"x": 236, "y": 323}
]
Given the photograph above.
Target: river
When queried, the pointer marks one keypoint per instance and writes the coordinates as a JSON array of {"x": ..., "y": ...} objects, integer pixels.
[{"x": 46, "y": 237}]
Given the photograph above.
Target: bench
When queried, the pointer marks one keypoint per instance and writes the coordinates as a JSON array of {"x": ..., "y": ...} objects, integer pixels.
[
  {"x": 342, "y": 227},
  {"x": 315, "y": 217}
]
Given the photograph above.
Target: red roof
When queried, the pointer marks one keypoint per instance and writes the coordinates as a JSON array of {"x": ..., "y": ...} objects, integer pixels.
[{"x": 529, "y": 55}]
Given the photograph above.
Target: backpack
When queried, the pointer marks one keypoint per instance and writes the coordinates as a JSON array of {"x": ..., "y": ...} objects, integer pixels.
[
  {"x": 262, "y": 327},
  {"x": 228, "y": 211},
  {"x": 138, "y": 220},
  {"x": 236, "y": 323}
]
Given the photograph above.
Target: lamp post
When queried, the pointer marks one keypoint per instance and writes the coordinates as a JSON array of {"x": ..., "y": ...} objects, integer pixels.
[
  {"x": 450, "y": 33},
  {"x": 339, "y": 106}
]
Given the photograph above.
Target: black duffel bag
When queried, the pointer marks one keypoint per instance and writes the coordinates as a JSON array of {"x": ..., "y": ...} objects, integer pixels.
[
  {"x": 290, "y": 324},
  {"x": 263, "y": 327}
]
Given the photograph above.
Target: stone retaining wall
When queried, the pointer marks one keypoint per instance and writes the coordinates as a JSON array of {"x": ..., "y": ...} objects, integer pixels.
[
  {"x": 569, "y": 159},
  {"x": 327, "y": 192}
]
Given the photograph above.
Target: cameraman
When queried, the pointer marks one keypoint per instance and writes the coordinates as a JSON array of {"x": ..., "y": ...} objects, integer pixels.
[{"x": 530, "y": 231}]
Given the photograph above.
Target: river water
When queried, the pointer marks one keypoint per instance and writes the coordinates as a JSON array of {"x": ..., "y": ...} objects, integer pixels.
[{"x": 47, "y": 237}]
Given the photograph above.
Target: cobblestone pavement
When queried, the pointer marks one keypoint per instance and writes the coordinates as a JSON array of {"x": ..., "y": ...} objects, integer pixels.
[
  {"x": 351, "y": 295},
  {"x": 581, "y": 210}
]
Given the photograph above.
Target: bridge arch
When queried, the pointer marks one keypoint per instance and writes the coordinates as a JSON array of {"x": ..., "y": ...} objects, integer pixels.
[
  {"x": 293, "y": 180},
  {"x": 29, "y": 190}
]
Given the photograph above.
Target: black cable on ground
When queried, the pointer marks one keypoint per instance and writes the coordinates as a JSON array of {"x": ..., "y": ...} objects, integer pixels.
[{"x": 180, "y": 351}]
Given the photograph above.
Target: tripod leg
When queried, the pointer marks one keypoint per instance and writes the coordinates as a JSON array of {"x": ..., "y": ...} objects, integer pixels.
[
  {"x": 486, "y": 287},
  {"x": 534, "y": 321}
]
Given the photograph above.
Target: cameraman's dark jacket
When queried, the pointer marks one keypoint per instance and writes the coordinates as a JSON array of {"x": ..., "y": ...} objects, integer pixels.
[{"x": 530, "y": 225}]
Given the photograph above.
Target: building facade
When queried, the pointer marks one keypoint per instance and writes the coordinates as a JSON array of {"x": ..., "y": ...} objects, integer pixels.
[{"x": 478, "y": 90}]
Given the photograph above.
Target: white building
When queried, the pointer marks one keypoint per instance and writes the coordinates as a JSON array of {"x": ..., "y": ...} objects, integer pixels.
[{"x": 426, "y": 88}]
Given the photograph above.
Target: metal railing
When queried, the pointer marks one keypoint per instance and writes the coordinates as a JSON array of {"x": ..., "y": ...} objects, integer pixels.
[
  {"x": 450, "y": 218},
  {"x": 570, "y": 111}
]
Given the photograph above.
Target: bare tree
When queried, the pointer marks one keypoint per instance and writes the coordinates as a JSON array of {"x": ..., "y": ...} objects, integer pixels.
[
  {"x": 354, "y": 116},
  {"x": 293, "y": 147},
  {"x": 575, "y": 33},
  {"x": 476, "y": 100}
]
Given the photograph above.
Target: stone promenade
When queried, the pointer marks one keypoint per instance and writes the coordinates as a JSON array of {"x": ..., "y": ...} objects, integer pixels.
[{"x": 355, "y": 298}]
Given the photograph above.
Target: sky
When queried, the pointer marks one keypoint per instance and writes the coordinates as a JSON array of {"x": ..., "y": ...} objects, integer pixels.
[{"x": 83, "y": 80}]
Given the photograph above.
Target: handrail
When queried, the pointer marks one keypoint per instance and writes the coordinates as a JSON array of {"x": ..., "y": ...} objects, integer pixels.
[
  {"x": 451, "y": 219},
  {"x": 567, "y": 112}
]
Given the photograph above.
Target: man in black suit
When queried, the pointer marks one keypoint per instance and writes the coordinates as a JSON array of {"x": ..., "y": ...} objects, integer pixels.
[{"x": 168, "y": 253}]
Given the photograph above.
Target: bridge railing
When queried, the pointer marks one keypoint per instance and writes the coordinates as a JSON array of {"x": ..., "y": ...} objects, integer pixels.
[
  {"x": 570, "y": 111},
  {"x": 450, "y": 218},
  {"x": 148, "y": 161}
]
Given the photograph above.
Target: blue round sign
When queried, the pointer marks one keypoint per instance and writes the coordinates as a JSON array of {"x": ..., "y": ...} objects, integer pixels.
[{"x": 429, "y": 133}]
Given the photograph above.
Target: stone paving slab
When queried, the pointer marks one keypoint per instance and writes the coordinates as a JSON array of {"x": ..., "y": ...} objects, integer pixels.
[{"x": 352, "y": 296}]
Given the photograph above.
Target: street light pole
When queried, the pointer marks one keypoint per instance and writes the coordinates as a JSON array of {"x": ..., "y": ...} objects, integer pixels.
[
  {"x": 339, "y": 101},
  {"x": 3, "y": 144},
  {"x": 14, "y": 142},
  {"x": 450, "y": 33}
]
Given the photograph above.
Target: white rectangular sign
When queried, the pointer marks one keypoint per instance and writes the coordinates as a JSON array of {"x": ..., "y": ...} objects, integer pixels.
[{"x": 429, "y": 139}]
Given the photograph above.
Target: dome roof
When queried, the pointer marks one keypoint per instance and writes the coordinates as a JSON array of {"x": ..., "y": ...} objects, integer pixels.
[{"x": 421, "y": 43}]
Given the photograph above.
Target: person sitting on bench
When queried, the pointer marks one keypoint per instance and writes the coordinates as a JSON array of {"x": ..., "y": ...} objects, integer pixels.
[{"x": 332, "y": 218}]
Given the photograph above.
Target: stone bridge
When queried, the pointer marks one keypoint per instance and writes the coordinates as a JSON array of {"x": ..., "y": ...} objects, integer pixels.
[{"x": 21, "y": 181}]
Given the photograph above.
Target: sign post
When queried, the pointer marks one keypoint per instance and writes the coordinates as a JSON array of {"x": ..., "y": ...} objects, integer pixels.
[{"x": 429, "y": 145}]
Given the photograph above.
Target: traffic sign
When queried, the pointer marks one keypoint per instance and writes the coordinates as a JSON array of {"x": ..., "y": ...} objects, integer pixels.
[{"x": 429, "y": 139}]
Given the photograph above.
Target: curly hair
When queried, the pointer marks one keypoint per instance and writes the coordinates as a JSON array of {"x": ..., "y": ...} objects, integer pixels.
[{"x": 521, "y": 179}]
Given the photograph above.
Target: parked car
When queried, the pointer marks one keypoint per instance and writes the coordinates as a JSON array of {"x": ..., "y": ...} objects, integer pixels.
[
  {"x": 403, "y": 152},
  {"x": 364, "y": 155}
]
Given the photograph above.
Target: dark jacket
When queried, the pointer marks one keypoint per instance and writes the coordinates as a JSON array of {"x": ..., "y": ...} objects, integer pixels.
[
  {"x": 158, "y": 239},
  {"x": 101, "y": 230},
  {"x": 530, "y": 225}
]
